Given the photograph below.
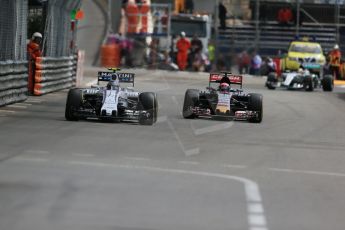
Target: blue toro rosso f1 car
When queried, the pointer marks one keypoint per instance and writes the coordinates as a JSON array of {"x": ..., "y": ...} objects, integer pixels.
[
  {"x": 112, "y": 102},
  {"x": 223, "y": 100}
]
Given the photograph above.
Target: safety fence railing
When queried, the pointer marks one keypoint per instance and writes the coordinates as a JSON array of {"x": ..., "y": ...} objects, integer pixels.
[
  {"x": 13, "y": 82},
  {"x": 53, "y": 74}
]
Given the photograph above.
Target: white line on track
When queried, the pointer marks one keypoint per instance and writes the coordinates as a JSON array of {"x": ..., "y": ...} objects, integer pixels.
[
  {"x": 7, "y": 111},
  {"x": 83, "y": 155},
  {"x": 187, "y": 152},
  {"x": 213, "y": 128},
  {"x": 255, "y": 210},
  {"x": 235, "y": 166},
  {"x": 138, "y": 158},
  {"x": 189, "y": 162},
  {"x": 17, "y": 106},
  {"x": 175, "y": 100},
  {"x": 34, "y": 100},
  {"x": 36, "y": 159},
  {"x": 162, "y": 119},
  {"x": 177, "y": 104},
  {"x": 308, "y": 172},
  {"x": 37, "y": 151},
  {"x": 26, "y": 104}
]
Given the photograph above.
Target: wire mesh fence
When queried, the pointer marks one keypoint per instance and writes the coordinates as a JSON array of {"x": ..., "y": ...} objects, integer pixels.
[
  {"x": 58, "y": 33},
  {"x": 13, "y": 30}
]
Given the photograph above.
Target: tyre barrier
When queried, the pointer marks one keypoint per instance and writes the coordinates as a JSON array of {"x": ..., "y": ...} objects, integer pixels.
[
  {"x": 13, "y": 82},
  {"x": 53, "y": 74}
]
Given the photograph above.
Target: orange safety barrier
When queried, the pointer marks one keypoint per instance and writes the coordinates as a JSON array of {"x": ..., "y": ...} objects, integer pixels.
[
  {"x": 132, "y": 12},
  {"x": 53, "y": 74},
  {"x": 110, "y": 55},
  {"x": 37, "y": 76},
  {"x": 179, "y": 6},
  {"x": 144, "y": 10}
]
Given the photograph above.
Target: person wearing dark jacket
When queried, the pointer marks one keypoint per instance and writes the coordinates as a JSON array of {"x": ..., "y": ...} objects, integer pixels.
[
  {"x": 222, "y": 15},
  {"x": 189, "y": 6}
]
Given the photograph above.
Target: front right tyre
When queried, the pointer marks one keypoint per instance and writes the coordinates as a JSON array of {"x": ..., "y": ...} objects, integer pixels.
[
  {"x": 255, "y": 105},
  {"x": 74, "y": 101},
  {"x": 191, "y": 99}
]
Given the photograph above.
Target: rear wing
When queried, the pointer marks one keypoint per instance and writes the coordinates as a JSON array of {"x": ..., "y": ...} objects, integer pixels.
[
  {"x": 226, "y": 77},
  {"x": 111, "y": 76}
]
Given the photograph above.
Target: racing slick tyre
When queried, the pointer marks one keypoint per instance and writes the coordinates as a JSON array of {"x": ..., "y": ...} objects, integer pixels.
[
  {"x": 148, "y": 108},
  {"x": 191, "y": 99},
  {"x": 271, "y": 81},
  {"x": 309, "y": 83},
  {"x": 327, "y": 83},
  {"x": 74, "y": 101},
  {"x": 255, "y": 104}
]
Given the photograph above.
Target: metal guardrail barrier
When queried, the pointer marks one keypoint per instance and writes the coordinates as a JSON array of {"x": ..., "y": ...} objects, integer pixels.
[
  {"x": 13, "y": 82},
  {"x": 53, "y": 74}
]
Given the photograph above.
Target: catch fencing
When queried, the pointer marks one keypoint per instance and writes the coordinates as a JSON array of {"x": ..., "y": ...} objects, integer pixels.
[
  {"x": 13, "y": 29},
  {"x": 58, "y": 33},
  {"x": 53, "y": 74}
]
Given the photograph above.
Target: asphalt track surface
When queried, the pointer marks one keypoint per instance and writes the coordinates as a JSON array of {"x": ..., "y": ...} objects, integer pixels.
[{"x": 285, "y": 173}]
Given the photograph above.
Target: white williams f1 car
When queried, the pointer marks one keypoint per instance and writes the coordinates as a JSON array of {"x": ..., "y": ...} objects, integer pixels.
[{"x": 112, "y": 102}]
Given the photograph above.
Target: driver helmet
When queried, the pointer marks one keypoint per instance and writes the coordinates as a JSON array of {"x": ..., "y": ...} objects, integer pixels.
[
  {"x": 111, "y": 85},
  {"x": 224, "y": 87},
  {"x": 36, "y": 35},
  {"x": 301, "y": 70}
]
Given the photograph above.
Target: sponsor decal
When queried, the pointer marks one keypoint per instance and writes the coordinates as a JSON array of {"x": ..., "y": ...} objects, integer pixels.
[
  {"x": 123, "y": 77},
  {"x": 234, "y": 79}
]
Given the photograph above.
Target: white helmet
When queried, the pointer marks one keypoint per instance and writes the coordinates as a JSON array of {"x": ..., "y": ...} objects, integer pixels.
[
  {"x": 183, "y": 34},
  {"x": 37, "y": 35},
  {"x": 336, "y": 47}
]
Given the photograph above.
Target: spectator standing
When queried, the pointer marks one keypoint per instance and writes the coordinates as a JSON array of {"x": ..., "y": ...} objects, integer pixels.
[
  {"x": 183, "y": 45},
  {"x": 222, "y": 15},
  {"x": 196, "y": 44},
  {"x": 126, "y": 46},
  {"x": 243, "y": 62},
  {"x": 195, "y": 50},
  {"x": 211, "y": 50},
  {"x": 153, "y": 55},
  {"x": 285, "y": 16},
  {"x": 256, "y": 64},
  {"x": 34, "y": 51},
  {"x": 189, "y": 6},
  {"x": 334, "y": 61}
]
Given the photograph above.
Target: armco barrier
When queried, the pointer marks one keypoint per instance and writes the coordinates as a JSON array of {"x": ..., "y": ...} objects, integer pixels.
[
  {"x": 13, "y": 82},
  {"x": 53, "y": 74}
]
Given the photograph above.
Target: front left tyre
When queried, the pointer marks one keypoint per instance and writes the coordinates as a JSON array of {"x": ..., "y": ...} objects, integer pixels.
[
  {"x": 271, "y": 81},
  {"x": 327, "y": 83}
]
